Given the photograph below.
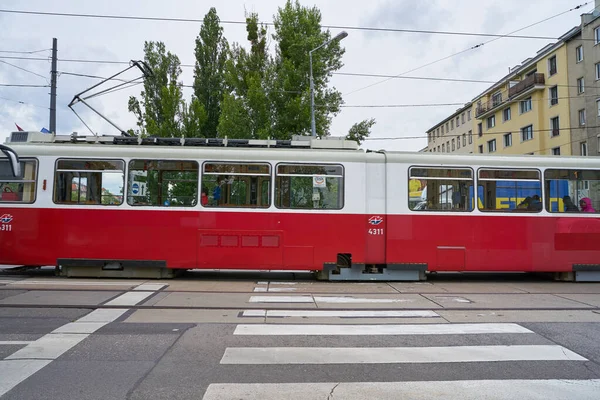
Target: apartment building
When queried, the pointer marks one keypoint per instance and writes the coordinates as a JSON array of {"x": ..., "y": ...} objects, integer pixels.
[
  {"x": 583, "y": 62},
  {"x": 454, "y": 134},
  {"x": 527, "y": 111}
]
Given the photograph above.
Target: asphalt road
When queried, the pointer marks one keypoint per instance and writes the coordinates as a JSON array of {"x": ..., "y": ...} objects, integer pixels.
[{"x": 288, "y": 337}]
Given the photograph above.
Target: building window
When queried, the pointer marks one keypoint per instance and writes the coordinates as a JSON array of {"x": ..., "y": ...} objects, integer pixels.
[
  {"x": 453, "y": 145},
  {"x": 598, "y": 143},
  {"x": 552, "y": 65},
  {"x": 448, "y": 146},
  {"x": 480, "y": 129},
  {"x": 496, "y": 99},
  {"x": 525, "y": 105},
  {"x": 582, "y": 117},
  {"x": 443, "y": 148},
  {"x": 438, "y": 149},
  {"x": 491, "y": 122},
  {"x": 506, "y": 114},
  {"x": 554, "y": 126},
  {"x": 442, "y": 129},
  {"x": 462, "y": 117},
  {"x": 92, "y": 182},
  {"x": 527, "y": 133},
  {"x": 457, "y": 122},
  {"x": 468, "y": 115},
  {"x": 480, "y": 149},
  {"x": 508, "y": 140},
  {"x": 597, "y": 71},
  {"x": 579, "y": 53},
  {"x": 491, "y": 145},
  {"x": 457, "y": 142},
  {"x": 556, "y": 151},
  {"x": 583, "y": 148},
  {"x": 464, "y": 139},
  {"x": 470, "y": 137},
  {"x": 598, "y": 106},
  {"x": 580, "y": 86},
  {"x": 597, "y": 35},
  {"x": 438, "y": 132},
  {"x": 452, "y": 125},
  {"x": 553, "y": 94},
  {"x": 428, "y": 136},
  {"x": 447, "y": 127}
]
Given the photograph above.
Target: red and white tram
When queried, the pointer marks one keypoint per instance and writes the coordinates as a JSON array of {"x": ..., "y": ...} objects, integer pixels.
[{"x": 106, "y": 206}]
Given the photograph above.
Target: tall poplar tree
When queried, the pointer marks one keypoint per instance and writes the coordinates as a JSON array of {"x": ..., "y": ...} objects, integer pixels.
[{"x": 211, "y": 55}]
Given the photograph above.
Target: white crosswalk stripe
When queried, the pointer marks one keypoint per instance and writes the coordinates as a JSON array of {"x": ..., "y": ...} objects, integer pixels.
[{"x": 285, "y": 345}]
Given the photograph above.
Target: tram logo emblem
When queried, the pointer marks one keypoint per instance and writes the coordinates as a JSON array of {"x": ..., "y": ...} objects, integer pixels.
[
  {"x": 375, "y": 220},
  {"x": 6, "y": 218}
]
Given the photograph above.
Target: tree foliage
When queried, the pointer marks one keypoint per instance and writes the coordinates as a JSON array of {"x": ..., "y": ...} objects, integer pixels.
[
  {"x": 361, "y": 130},
  {"x": 211, "y": 56},
  {"x": 247, "y": 91}
]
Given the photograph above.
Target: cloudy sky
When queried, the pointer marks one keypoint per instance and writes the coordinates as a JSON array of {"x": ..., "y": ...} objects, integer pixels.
[{"x": 367, "y": 52}]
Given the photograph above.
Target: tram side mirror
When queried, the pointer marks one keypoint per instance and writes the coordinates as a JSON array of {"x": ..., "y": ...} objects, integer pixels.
[{"x": 15, "y": 165}]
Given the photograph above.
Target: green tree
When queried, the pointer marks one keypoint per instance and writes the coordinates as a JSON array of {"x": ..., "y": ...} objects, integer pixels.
[
  {"x": 193, "y": 118},
  {"x": 298, "y": 31},
  {"x": 361, "y": 130},
  {"x": 158, "y": 111},
  {"x": 211, "y": 55},
  {"x": 246, "y": 111}
]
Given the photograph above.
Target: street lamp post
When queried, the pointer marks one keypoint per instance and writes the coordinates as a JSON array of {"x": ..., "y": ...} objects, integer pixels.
[{"x": 337, "y": 37}]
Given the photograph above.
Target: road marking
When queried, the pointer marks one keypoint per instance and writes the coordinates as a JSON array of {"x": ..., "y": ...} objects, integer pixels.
[
  {"x": 323, "y": 299},
  {"x": 341, "y": 313},
  {"x": 14, "y": 342},
  {"x": 395, "y": 355},
  {"x": 58, "y": 282},
  {"x": 556, "y": 389},
  {"x": 348, "y": 299},
  {"x": 25, "y": 362},
  {"x": 282, "y": 289},
  {"x": 129, "y": 298},
  {"x": 13, "y": 372},
  {"x": 425, "y": 329},
  {"x": 80, "y": 327},
  {"x": 260, "y": 289},
  {"x": 48, "y": 347},
  {"x": 105, "y": 315},
  {"x": 152, "y": 287},
  {"x": 281, "y": 299}
]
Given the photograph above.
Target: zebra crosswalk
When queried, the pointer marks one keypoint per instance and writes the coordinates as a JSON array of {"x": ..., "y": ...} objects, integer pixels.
[{"x": 398, "y": 361}]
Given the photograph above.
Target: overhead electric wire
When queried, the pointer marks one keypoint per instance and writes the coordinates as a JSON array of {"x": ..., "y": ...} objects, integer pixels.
[
  {"x": 231, "y": 22},
  {"x": 23, "y": 69},
  {"x": 19, "y": 85},
  {"x": 24, "y": 52},
  {"x": 23, "y": 102},
  {"x": 466, "y": 50}
]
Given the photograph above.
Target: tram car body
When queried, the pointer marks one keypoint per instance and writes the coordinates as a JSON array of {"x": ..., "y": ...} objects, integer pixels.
[{"x": 105, "y": 206}]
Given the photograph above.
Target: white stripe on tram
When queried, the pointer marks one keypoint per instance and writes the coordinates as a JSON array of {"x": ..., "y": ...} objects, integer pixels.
[
  {"x": 395, "y": 355},
  {"x": 542, "y": 389},
  {"x": 341, "y": 313},
  {"x": 424, "y": 329}
]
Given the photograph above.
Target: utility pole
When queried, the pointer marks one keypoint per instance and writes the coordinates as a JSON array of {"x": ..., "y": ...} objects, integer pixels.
[{"x": 53, "y": 89}]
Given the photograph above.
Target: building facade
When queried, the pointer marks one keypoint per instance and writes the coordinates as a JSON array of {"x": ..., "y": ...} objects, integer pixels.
[
  {"x": 527, "y": 111},
  {"x": 454, "y": 134},
  {"x": 583, "y": 58}
]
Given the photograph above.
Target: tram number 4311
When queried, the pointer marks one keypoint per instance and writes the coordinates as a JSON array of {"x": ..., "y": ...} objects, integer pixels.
[{"x": 376, "y": 231}]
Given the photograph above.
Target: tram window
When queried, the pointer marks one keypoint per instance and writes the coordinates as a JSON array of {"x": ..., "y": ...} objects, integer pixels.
[
  {"x": 509, "y": 190},
  {"x": 309, "y": 186},
  {"x": 162, "y": 183},
  {"x": 20, "y": 189},
  {"x": 572, "y": 190},
  {"x": 92, "y": 182},
  {"x": 440, "y": 189},
  {"x": 236, "y": 185}
]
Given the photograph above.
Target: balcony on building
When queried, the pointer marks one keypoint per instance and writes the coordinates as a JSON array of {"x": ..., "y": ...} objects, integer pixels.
[{"x": 520, "y": 90}]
